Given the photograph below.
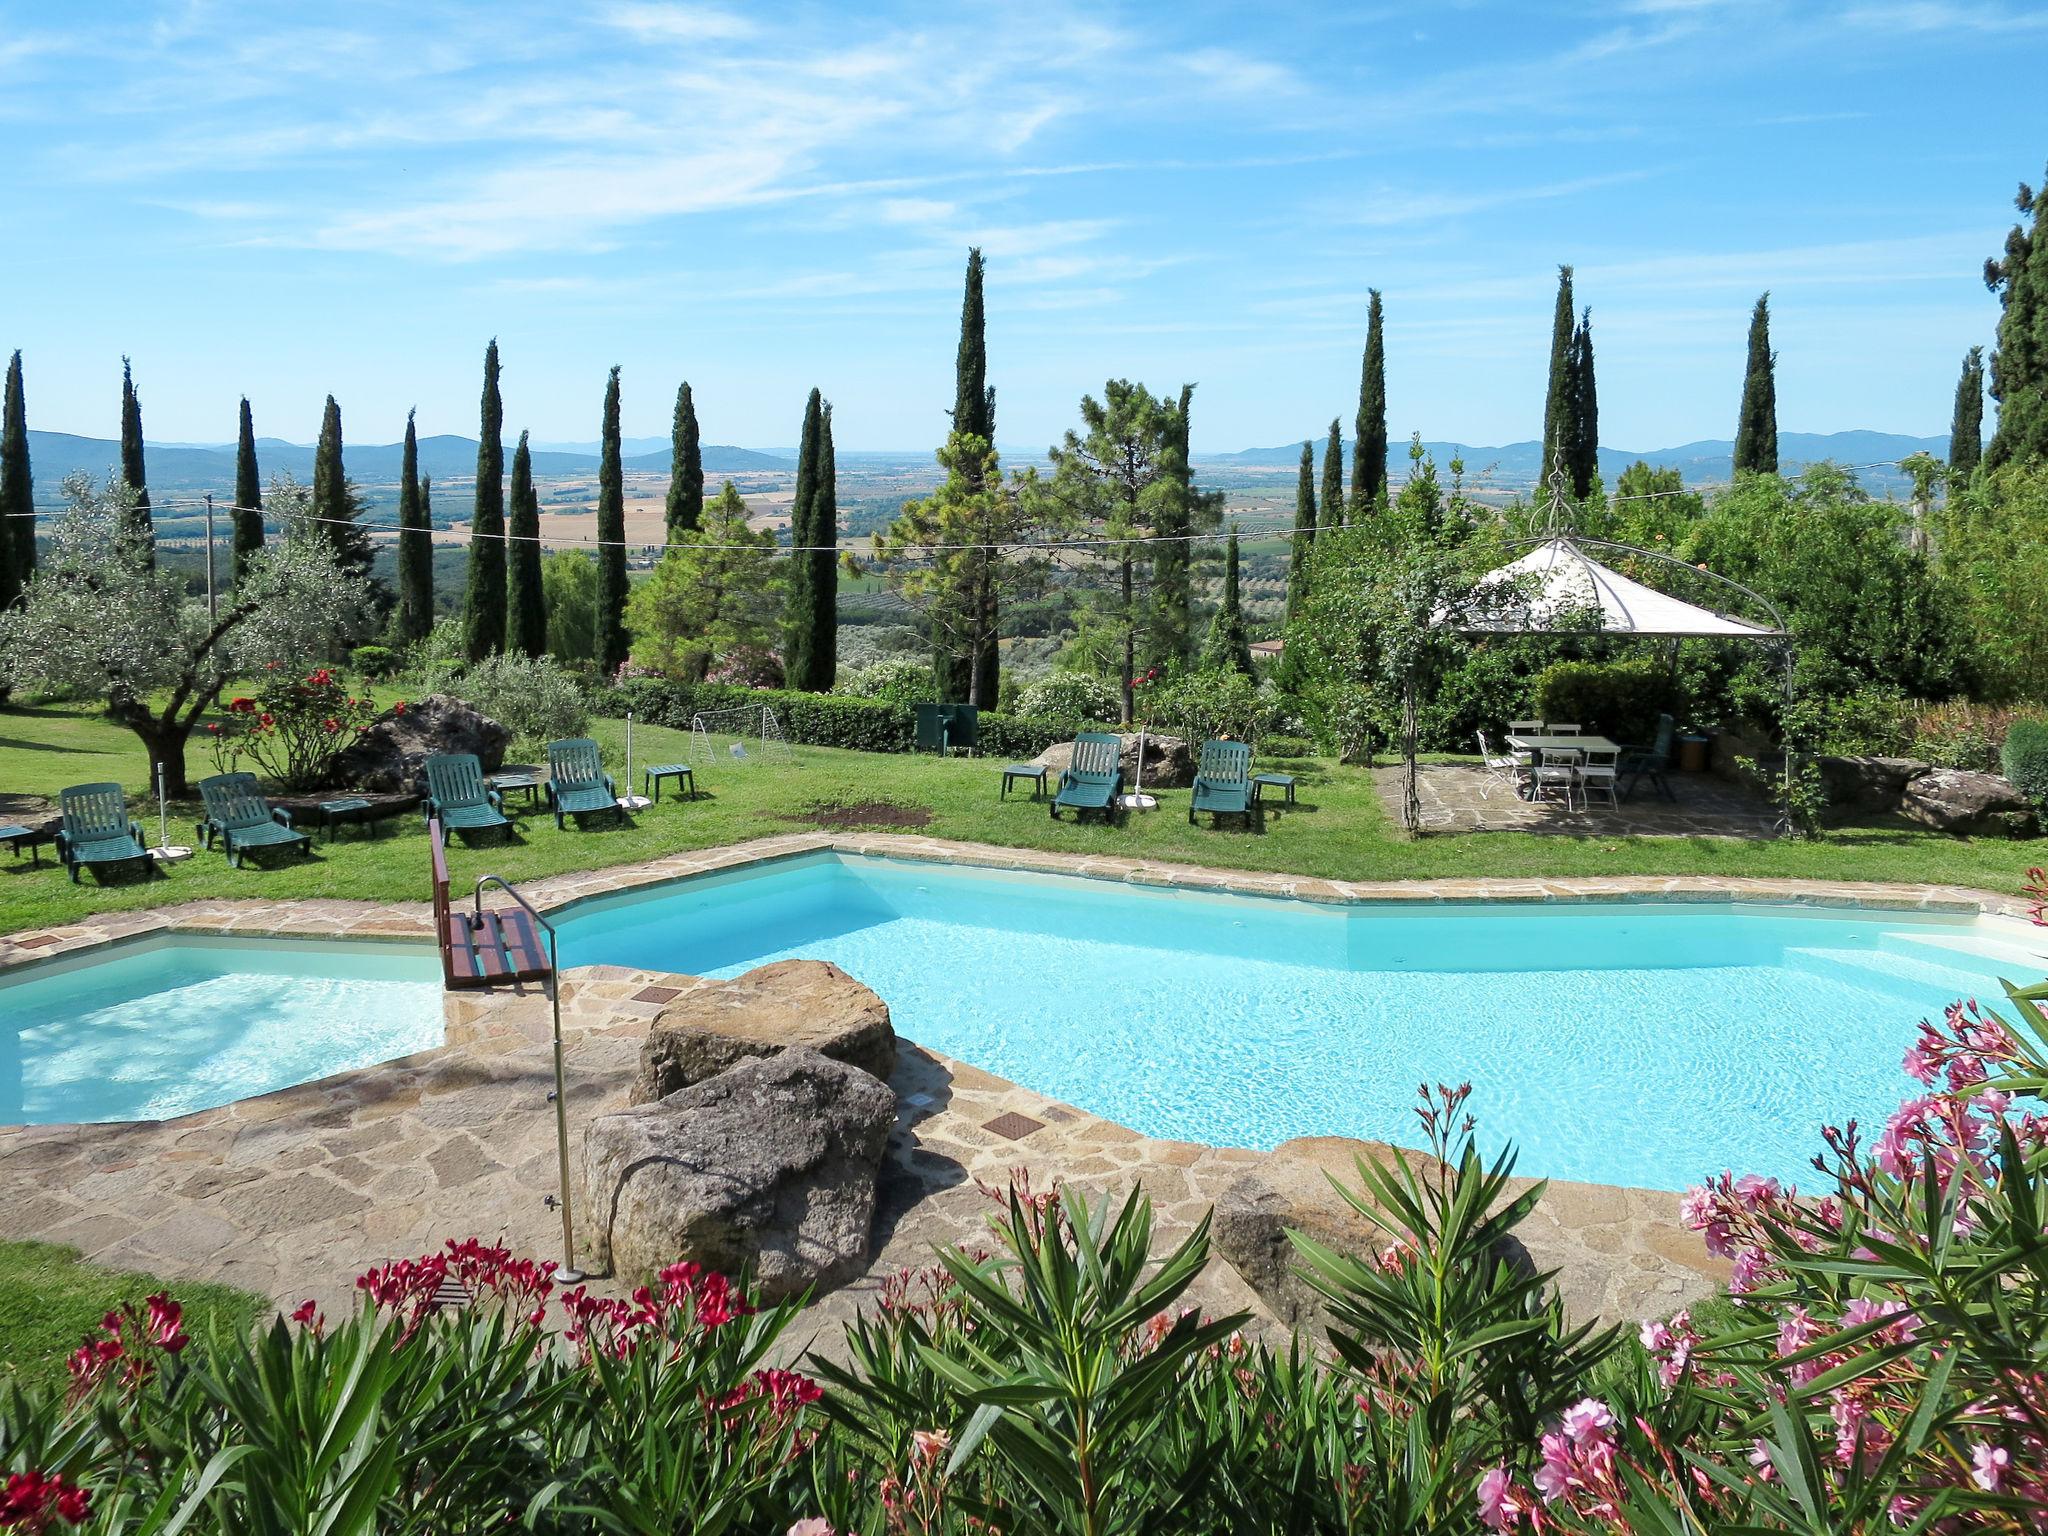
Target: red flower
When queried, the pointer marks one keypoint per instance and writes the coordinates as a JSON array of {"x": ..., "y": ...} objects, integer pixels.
[
  {"x": 213, "y": 726},
  {"x": 266, "y": 719},
  {"x": 241, "y": 706},
  {"x": 330, "y": 725},
  {"x": 166, "y": 1323},
  {"x": 32, "y": 1498},
  {"x": 398, "y": 708}
]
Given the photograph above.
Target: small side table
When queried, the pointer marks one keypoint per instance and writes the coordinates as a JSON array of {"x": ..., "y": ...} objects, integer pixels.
[
  {"x": 684, "y": 775},
  {"x": 336, "y": 814},
  {"x": 527, "y": 784},
  {"x": 17, "y": 838},
  {"x": 1261, "y": 782},
  {"x": 1024, "y": 773}
]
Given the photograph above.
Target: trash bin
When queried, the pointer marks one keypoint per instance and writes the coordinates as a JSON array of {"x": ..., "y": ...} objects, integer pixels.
[{"x": 1692, "y": 754}]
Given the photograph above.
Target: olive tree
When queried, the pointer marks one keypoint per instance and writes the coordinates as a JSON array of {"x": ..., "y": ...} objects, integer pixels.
[{"x": 99, "y": 619}]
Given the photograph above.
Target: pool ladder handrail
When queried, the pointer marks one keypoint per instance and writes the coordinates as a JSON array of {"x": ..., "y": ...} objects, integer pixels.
[{"x": 568, "y": 1272}]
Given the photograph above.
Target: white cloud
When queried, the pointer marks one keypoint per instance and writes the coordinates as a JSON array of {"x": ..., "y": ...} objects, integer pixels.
[{"x": 678, "y": 23}]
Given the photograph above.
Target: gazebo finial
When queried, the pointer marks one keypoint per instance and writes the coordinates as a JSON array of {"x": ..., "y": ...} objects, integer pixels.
[{"x": 1557, "y": 515}]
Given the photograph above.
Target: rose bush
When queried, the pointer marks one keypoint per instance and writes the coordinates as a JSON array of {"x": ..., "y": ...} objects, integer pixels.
[{"x": 292, "y": 727}]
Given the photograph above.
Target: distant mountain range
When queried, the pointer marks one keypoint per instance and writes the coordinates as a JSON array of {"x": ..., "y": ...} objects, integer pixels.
[
  {"x": 188, "y": 467},
  {"x": 1703, "y": 463}
]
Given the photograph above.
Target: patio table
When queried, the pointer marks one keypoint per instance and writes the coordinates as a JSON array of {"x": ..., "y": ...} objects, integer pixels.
[{"x": 1536, "y": 744}]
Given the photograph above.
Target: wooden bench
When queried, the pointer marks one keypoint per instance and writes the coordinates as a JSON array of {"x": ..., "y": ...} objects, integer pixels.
[{"x": 485, "y": 950}]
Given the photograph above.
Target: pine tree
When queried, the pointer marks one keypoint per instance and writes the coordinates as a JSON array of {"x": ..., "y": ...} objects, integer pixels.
[
  {"x": 796, "y": 625},
  {"x": 685, "y": 469},
  {"x": 1756, "y": 428},
  {"x": 1966, "y": 426},
  {"x": 2019, "y": 364},
  {"x": 526, "y": 612},
  {"x": 17, "y": 492},
  {"x": 143, "y": 527},
  {"x": 962, "y": 671},
  {"x": 1228, "y": 648},
  {"x": 248, "y": 495},
  {"x": 1304, "y": 541},
  {"x": 1330, "y": 511},
  {"x": 337, "y": 507},
  {"x": 1173, "y": 595},
  {"x": 1560, "y": 412},
  {"x": 483, "y": 606},
  {"x": 612, "y": 643},
  {"x": 1583, "y": 461},
  {"x": 415, "y": 616},
  {"x": 1369, "y": 445}
]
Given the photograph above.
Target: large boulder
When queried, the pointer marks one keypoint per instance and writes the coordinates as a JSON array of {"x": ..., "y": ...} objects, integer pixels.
[
  {"x": 1957, "y": 800},
  {"x": 390, "y": 756},
  {"x": 1291, "y": 1189},
  {"x": 1168, "y": 762},
  {"x": 770, "y": 1167},
  {"x": 1868, "y": 783},
  {"x": 717, "y": 1024}
]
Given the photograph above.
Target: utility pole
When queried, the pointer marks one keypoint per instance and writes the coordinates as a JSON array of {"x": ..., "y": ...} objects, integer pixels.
[{"x": 212, "y": 608}]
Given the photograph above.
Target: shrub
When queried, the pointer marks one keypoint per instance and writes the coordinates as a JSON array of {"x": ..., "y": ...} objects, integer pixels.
[
  {"x": 1963, "y": 735},
  {"x": 900, "y": 680},
  {"x": 1286, "y": 747},
  {"x": 2025, "y": 759},
  {"x": 1621, "y": 699},
  {"x": 747, "y": 666},
  {"x": 374, "y": 661},
  {"x": 1204, "y": 706},
  {"x": 291, "y": 728},
  {"x": 1870, "y": 722},
  {"x": 1070, "y": 696},
  {"x": 531, "y": 695}
]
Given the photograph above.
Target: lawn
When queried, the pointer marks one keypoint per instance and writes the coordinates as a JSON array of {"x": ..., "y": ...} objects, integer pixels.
[
  {"x": 1340, "y": 830},
  {"x": 50, "y": 1299}
]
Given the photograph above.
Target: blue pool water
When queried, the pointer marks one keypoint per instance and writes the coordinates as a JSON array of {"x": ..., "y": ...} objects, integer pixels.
[
  {"x": 1639, "y": 1044},
  {"x": 171, "y": 1026}
]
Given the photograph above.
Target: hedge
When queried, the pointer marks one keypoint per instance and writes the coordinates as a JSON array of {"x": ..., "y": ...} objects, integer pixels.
[
  {"x": 1621, "y": 699},
  {"x": 2025, "y": 759},
  {"x": 824, "y": 719}
]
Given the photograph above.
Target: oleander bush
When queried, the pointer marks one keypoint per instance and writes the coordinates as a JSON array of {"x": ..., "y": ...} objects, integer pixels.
[
  {"x": 1887, "y": 1371},
  {"x": 2024, "y": 757}
]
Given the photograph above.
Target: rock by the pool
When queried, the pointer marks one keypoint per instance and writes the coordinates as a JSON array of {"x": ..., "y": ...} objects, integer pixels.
[
  {"x": 391, "y": 755},
  {"x": 717, "y": 1024},
  {"x": 1957, "y": 800},
  {"x": 1168, "y": 763},
  {"x": 769, "y": 1167}
]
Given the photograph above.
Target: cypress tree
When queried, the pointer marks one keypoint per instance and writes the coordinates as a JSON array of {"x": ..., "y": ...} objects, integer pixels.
[
  {"x": 1330, "y": 513},
  {"x": 1584, "y": 460},
  {"x": 1966, "y": 426},
  {"x": 17, "y": 492},
  {"x": 974, "y": 411},
  {"x": 1756, "y": 428},
  {"x": 685, "y": 469},
  {"x": 612, "y": 644},
  {"x": 821, "y": 650},
  {"x": 483, "y": 604},
  {"x": 336, "y": 507},
  {"x": 248, "y": 495},
  {"x": 1227, "y": 648},
  {"x": 1369, "y": 445},
  {"x": 2019, "y": 364},
  {"x": 1560, "y": 411},
  {"x": 526, "y": 612},
  {"x": 132, "y": 468},
  {"x": 415, "y": 616},
  {"x": 796, "y": 613},
  {"x": 1304, "y": 532}
]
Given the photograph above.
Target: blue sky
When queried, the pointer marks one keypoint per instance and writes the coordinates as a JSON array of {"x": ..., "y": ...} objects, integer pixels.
[{"x": 291, "y": 200}]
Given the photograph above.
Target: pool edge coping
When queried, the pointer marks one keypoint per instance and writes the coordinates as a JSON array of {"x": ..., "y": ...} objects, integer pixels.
[{"x": 339, "y": 920}]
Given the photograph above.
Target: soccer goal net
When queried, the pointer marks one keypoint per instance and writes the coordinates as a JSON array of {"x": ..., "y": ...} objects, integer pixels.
[{"x": 750, "y": 733}]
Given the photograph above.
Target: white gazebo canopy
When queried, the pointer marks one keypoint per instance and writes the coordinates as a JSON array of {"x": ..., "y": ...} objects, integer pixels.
[{"x": 1558, "y": 588}]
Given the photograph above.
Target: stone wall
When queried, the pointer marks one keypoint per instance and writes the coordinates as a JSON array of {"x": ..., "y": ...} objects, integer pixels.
[{"x": 1860, "y": 787}]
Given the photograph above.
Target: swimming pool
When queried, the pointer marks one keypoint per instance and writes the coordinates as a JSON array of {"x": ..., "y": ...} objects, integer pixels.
[
  {"x": 1642, "y": 1044},
  {"x": 176, "y": 1023}
]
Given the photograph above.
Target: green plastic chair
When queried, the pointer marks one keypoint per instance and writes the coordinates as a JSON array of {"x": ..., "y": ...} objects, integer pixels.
[
  {"x": 237, "y": 810},
  {"x": 1095, "y": 777},
  {"x": 577, "y": 783},
  {"x": 1651, "y": 762},
  {"x": 98, "y": 833},
  {"x": 1223, "y": 781},
  {"x": 458, "y": 795}
]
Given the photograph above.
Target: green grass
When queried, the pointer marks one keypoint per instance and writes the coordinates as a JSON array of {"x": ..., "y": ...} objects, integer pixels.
[
  {"x": 1340, "y": 830},
  {"x": 50, "y": 1299}
]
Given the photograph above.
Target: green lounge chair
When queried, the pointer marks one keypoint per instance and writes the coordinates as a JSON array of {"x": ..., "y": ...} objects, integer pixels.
[
  {"x": 1094, "y": 779},
  {"x": 238, "y": 811},
  {"x": 1223, "y": 781},
  {"x": 577, "y": 783},
  {"x": 459, "y": 797},
  {"x": 1651, "y": 762},
  {"x": 98, "y": 833}
]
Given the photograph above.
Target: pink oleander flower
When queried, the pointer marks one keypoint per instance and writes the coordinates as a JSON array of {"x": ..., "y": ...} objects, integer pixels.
[
  {"x": 928, "y": 1445},
  {"x": 1499, "y": 1502},
  {"x": 1990, "y": 1464},
  {"x": 1587, "y": 1421},
  {"x": 813, "y": 1525},
  {"x": 1863, "y": 1310}
]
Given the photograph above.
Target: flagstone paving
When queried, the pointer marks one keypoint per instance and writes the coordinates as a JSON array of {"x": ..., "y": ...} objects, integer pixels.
[
  {"x": 294, "y": 1193},
  {"x": 1464, "y": 797}
]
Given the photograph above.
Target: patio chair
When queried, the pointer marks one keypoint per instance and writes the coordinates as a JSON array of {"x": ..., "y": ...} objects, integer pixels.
[
  {"x": 1223, "y": 782},
  {"x": 1094, "y": 778},
  {"x": 237, "y": 810},
  {"x": 577, "y": 783},
  {"x": 1557, "y": 776},
  {"x": 1504, "y": 769},
  {"x": 1554, "y": 729},
  {"x": 97, "y": 831},
  {"x": 1523, "y": 758},
  {"x": 458, "y": 796},
  {"x": 1651, "y": 762},
  {"x": 1598, "y": 775}
]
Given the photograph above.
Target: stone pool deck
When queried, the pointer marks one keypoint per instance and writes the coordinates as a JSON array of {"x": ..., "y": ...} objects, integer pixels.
[{"x": 292, "y": 1194}]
